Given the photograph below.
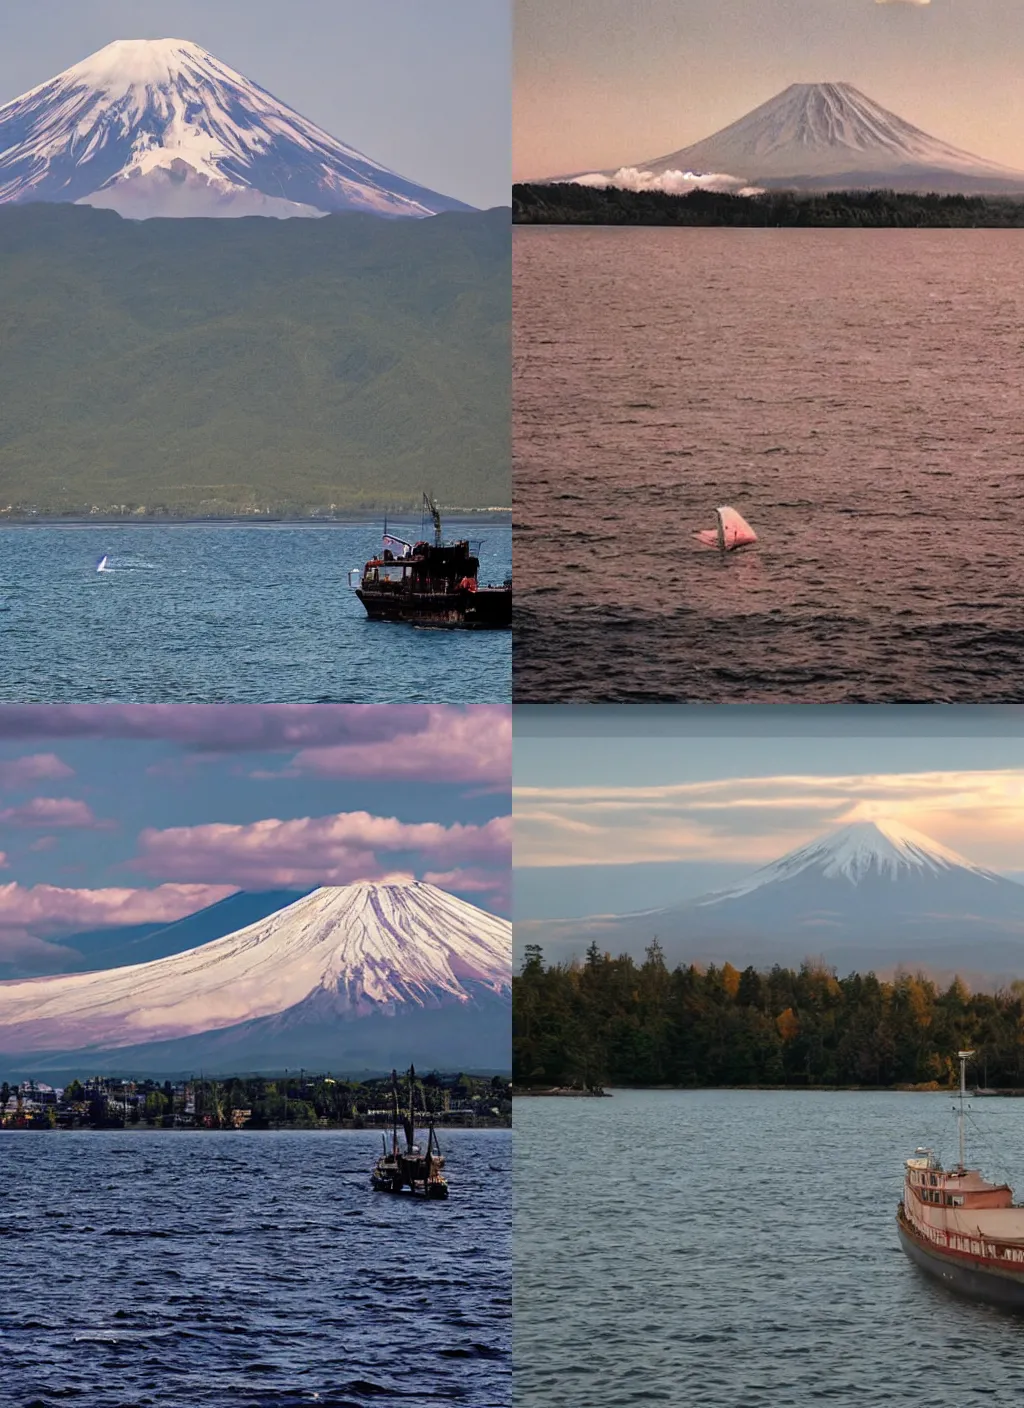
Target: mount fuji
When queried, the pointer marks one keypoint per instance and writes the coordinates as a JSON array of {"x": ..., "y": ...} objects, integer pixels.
[
  {"x": 830, "y": 136},
  {"x": 870, "y": 895},
  {"x": 352, "y": 978},
  {"x": 151, "y": 127}
]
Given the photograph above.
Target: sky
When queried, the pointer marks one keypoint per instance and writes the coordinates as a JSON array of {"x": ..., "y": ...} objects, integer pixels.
[
  {"x": 133, "y": 814},
  {"x": 624, "y": 809},
  {"x": 600, "y": 84},
  {"x": 423, "y": 88}
]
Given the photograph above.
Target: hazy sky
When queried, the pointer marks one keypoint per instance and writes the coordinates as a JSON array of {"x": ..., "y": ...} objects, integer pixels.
[
  {"x": 422, "y": 87},
  {"x": 625, "y": 809},
  {"x": 605, "y": 83},
  {"x": 122, "y": 814}
]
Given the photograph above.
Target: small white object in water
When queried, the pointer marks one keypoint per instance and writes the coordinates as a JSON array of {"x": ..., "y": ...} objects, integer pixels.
[
  {"x": 101, "y": 566},
  {"x": 732, "y": 531}
]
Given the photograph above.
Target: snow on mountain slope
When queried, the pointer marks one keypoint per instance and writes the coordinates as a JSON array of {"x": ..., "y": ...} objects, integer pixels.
[
  {"x": 857, "y": 853},
  {"x": 872, "y": 895},
  {"x": 160, "y": 126},
  {"x": 830, "y": 134},
  {"x": 338, "y": 953}
]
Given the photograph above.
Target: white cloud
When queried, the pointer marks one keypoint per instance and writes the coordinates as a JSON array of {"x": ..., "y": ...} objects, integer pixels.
[
  {"x": 673, "y": 183},
  {"x": 754, "y": 820}
]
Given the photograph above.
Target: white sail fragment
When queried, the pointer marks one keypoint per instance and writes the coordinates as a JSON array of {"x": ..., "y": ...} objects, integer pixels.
[{"x": 731, "y": 531}]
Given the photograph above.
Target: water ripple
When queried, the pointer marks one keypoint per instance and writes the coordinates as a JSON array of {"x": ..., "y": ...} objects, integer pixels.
[
  {"x": 206, "y": 614},
  {"x": 739, "y": 1248},
  {"x": 868, "y": 430},
  {"x": 145, "y": 1269}
]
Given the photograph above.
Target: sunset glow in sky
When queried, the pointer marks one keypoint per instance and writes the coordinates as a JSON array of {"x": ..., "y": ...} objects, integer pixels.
[
  {"x": 608, "y": 83},
  {"x": 610, "y": 818}
]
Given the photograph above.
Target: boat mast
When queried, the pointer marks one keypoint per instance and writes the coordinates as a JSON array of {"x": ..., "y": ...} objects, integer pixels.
[
  {"x": 432, "y": 509},
  {"x": 411, "y": 1131},
  {"x": 964, "y": 1058}
]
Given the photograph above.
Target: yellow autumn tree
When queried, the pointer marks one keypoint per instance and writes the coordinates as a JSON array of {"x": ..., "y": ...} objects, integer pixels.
[{"x": 787, "y": 1024}]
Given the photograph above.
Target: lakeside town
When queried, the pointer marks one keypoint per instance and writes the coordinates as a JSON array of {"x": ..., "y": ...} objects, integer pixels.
[{"x": 300, "y": 1101}]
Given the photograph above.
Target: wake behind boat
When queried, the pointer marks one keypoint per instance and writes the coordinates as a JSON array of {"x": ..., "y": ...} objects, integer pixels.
[
  {"x": 431, "y": 584},
  {"x": 960, "y": 1228}
]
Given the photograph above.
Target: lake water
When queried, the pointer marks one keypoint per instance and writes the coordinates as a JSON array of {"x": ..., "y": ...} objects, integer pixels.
[
  {"x": 738, "y": 1249},
  {"x": 856, "y": 395},
  {"x": 258, "y": 1270},
  {"x": 197, "y": 614}
]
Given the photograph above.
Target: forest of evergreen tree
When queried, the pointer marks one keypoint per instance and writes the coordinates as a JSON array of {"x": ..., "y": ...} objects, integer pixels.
[
  {"x": 569, "y": 204},
  {"x": 613, "y": 1021}
]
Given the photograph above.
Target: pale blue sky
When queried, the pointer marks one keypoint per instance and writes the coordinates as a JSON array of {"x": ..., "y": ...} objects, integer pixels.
[
  {"x": 422, "y": 87},
  {"x": 605, "y": 83},
  {"x": 679, "y": 801}
]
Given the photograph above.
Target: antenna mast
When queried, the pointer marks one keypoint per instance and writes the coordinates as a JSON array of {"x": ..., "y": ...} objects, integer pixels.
[
  {"x": 431, "y": 507},
  {"x": 964, "y": 1058}
]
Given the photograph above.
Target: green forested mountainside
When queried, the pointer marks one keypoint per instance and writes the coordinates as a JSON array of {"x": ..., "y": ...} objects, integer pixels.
[
  {"x": 566, "y": 203},
  {"x": 253, "y": 365},
  {"x": 611, "y": 1021}
]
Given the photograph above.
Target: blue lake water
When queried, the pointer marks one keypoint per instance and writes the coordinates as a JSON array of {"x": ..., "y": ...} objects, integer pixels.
[
  {"x": 228, "y": 613},
  {"x": 186, "y": 1269},
  {"x": 738, "y": 1249}
]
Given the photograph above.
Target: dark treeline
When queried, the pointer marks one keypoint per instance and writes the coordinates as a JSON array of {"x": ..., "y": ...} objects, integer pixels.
[
  {"x": 568, "y": 204},
  {"x": 250, "y": 1102},
  {"x": 612, "y": 1021}
]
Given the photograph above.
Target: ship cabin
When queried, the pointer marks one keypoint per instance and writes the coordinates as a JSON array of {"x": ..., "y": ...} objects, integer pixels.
[
  {"x": 424, "y": 568},
  {"x": 927, "y": 1182}
]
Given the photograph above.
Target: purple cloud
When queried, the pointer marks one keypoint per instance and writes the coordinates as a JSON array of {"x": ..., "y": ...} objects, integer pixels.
[
  {"x": 413, "y": 742},
  {"x": 49, "y": 910},
  {"x": 473, "y": 745},
  {"x": 34, "y": 767},
  {"x": 328, "y": 850},
  {"x": 52, "y": 811},
  {"x": 222, "y": 727}
]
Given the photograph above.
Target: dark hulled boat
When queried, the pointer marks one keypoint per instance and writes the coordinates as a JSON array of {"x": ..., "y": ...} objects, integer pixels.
[
  {"x": 432, "y": 584},
  {"x": 960, "y": 1228},
  {"x": 418, "y": 1170}
]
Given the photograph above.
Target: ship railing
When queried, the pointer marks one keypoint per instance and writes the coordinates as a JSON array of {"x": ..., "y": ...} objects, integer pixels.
[{"x": 1004, "y": 1249}]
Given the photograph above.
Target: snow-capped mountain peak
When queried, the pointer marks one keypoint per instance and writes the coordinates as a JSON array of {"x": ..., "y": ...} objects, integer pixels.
[
  {"x": 870, "y": 896},
  {"x": 859, "y": 851},
  {"x": 831, "y": 136},
  {"x": 133, "y": 63},
  {"x": 338, "y": 953},
  {"x": 161, "y": 126}
]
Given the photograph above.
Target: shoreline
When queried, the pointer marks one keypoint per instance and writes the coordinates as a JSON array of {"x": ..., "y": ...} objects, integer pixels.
[
  {"x": 142, "y": 1128},
  {"x": 352, "y": 520},
  {"x": 556, "y": 1093}
]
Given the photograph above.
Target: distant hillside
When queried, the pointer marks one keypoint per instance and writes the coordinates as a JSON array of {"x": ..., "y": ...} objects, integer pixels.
[
  {"x": 247, "y": 366},
  {"x": 566, "y": 203}
]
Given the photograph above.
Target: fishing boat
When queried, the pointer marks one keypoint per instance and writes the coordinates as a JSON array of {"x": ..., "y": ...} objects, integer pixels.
[
  {"x": 959, "y": 1227},
  {"x": 413, "y": 1169},
  {"x": 431, "y": 584}
]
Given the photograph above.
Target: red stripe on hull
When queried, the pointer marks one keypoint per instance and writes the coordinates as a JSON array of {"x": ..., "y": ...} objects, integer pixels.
[{"x": 981, "y": 1277}]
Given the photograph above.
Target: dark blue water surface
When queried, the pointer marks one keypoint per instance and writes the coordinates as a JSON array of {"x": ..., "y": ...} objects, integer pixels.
[
  {"x": 184, "y": 1269},
  {"x": 236, "y": 613}
]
